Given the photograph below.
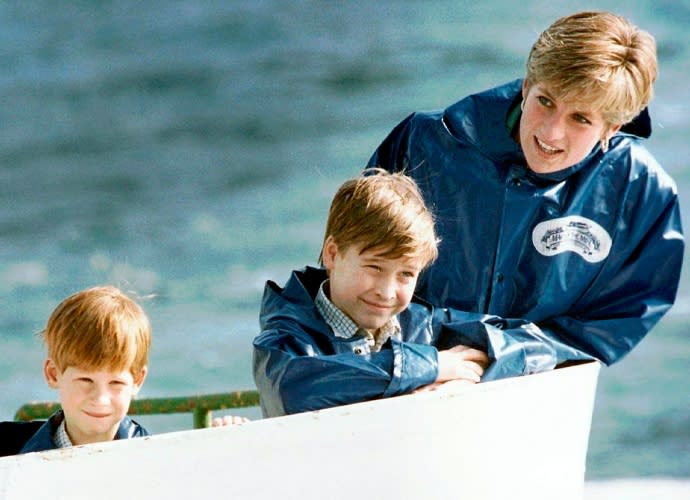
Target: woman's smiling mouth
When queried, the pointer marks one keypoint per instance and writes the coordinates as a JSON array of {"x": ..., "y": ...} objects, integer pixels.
[{"x": 549, "y": 150}]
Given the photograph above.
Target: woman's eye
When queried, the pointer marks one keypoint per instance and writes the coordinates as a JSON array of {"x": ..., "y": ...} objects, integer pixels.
[
  {"x": 544, "y": 101},
  {"x": 582, "y": 119}
]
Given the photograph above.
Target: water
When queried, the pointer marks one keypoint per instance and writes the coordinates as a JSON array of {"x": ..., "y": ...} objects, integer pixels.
[{"x": 189, "y": 150}]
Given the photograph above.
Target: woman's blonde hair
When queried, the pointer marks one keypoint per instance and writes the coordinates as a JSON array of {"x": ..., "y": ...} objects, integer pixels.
[
  {"x": 599, "y": 59},
  {"x": 385, "y": 212},
  {"x": 99, "y": 328}
]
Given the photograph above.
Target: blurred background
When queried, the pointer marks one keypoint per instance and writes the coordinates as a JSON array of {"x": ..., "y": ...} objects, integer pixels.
[{"x": 187, "y": 150}]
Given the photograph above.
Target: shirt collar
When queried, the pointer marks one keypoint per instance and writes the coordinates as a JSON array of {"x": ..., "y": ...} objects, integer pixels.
[{"x": 61, "y": 438}]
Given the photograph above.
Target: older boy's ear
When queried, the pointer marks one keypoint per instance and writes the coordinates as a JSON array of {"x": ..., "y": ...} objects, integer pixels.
[
  {"x": 51, "y": 372},
  {"x": 139, "y": 379},
  {"x": 330, "y": 250}
]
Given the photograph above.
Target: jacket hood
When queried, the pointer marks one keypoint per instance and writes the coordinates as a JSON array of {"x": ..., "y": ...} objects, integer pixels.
[{"x": 294, "y": 301}]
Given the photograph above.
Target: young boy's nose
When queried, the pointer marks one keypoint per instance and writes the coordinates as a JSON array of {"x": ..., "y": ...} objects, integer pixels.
[{"x": 100, "y": 394}]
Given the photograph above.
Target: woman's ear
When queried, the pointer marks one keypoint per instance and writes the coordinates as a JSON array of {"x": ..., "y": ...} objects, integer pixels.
[
  {"x": 610, "y": 132},
  {"x": 613, "y": 129},
  {"x": 51, "y": 373}
]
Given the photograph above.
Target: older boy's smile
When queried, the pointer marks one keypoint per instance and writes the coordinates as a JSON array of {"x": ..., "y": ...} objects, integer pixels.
[
  {"x": 377, "y": 306},
  {"x": 373, "y": 316}
]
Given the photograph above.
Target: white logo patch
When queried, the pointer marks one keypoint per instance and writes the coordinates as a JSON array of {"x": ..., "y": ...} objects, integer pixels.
[{"x": 572, "y": 234}]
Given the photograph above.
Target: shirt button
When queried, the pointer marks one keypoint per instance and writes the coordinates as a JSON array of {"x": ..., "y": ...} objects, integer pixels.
[{"x": 358, "y": 350}]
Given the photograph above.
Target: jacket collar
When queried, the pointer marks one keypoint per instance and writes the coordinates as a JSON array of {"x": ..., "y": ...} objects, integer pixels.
[
  {"x": 486, "y": 129},
  {"x": 42, "y": 440}
]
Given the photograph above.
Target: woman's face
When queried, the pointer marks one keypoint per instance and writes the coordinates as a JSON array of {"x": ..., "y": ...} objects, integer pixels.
[{"x": 556, "y": 134}]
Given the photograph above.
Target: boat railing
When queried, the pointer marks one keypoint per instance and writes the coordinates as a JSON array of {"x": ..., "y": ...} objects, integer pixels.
[{"x": 201, "y": 406}]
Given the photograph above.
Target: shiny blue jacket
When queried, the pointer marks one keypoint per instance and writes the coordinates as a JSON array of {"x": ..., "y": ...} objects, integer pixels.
[
  {"x": 591, "y": 254},
  {"x": 300, "y": 365},
  {"x": 42, "y": 438}
]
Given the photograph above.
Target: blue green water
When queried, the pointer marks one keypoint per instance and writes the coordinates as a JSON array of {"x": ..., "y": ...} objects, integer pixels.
[{"x": 189, "y": 150}]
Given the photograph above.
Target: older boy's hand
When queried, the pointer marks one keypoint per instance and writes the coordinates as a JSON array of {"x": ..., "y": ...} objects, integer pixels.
[
  {"x": 228, "y": 420},
  {"x": 471, "y": 354},
  {"x": 461, "y": 363}
]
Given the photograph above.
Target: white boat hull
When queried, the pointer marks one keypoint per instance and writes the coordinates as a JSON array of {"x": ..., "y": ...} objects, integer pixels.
[{"x": 517, "y": 438}]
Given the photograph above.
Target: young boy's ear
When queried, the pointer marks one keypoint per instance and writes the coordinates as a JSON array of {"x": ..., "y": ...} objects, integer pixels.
[
  {"x": 51, "y": 372},
  {"x": 139, "y": 379}
]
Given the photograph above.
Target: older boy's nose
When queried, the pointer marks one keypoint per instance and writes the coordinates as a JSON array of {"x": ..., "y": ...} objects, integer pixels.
[{"x": 386, "y": 288}]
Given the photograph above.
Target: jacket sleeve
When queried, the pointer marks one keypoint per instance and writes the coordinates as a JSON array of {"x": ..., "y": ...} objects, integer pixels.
[
  {"x": 293, "y": 375},
  {"x": 634, "y": 292},
  {"x": 514, "y": 346}
]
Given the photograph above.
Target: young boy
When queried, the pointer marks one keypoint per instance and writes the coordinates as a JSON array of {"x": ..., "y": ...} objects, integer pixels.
[
  {"x": 98, "y": 342},
  {"x": 352, "y": 332}
]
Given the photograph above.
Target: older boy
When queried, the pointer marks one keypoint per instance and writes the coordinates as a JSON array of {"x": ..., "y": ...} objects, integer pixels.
[
  {"x": 353, "y": 332},
  {"x": 98, "y": 342}
]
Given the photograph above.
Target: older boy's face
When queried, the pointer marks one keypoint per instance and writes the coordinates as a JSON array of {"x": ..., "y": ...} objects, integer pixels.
[
  {"x": 94, "y": 402},
  {"x": 369, "y": 288}
]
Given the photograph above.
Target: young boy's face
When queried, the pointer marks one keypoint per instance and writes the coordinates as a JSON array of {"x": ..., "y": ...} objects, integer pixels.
[
  {"x": 369, "y": 288},
  {"x": 94, "y": 402}
]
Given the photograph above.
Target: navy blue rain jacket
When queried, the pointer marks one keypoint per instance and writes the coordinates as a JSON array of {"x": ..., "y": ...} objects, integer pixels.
[
  {"x": 24, "y": 439},
  {"x": 300, "y": 365},
  {"x": 591, "y": 254}
]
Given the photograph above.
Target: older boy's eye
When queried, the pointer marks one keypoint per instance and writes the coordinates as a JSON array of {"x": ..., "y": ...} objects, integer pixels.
[{"x": 582, "y": 119}]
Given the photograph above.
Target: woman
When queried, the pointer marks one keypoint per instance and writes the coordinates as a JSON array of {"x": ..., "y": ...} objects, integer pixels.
[{"x": 549, "y": 207}]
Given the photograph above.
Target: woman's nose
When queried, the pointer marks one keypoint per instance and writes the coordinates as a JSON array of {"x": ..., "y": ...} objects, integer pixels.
[{"x": 554, "y": 127}]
